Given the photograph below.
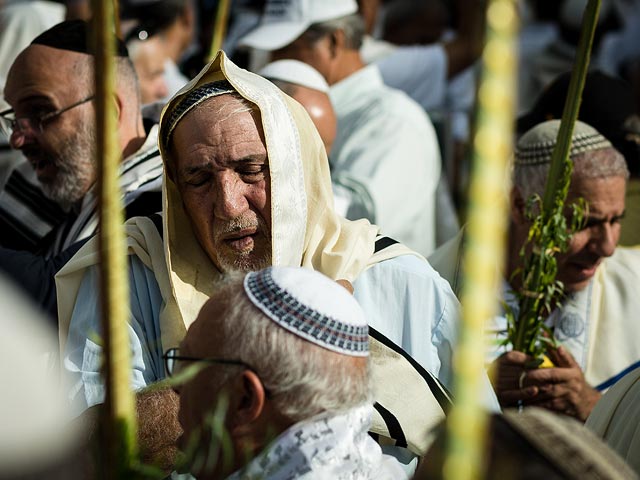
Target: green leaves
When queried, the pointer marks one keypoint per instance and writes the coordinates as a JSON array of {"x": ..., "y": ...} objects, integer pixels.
[
  {"x": 540, "y": 292},
  {"x": 550, "y": 232}
]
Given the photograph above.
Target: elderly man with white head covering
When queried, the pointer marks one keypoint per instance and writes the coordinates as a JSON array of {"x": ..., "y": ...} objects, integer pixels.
[
  {"x": 288, "y": 372},
  {"x": 247, "y": 186},
  {"x": 596, "y": 325}
]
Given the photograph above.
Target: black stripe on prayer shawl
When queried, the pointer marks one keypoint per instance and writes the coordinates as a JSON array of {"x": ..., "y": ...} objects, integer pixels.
[
  {"x": 145, "y": 204},
  {"x": 441, "y": 394},
  {"x": 153, "y": 153},
  {"x": 15, "y": 235},
  {"x": 393, "y": 425},
  {"x": 32, "y": 197},
  {"x": 383, "y": 242},
  {"x": 156, "y": 218}
]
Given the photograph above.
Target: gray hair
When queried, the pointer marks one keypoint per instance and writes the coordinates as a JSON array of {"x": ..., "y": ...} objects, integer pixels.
[
  {"x": 126, "y": 77},
  {"x": 602, "y": 163},
  {"x": 304, "y": 379},
  {"x": 352, "y": 25}
]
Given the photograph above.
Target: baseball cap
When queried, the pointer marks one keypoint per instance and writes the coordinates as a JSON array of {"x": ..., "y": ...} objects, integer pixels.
[{"x": 285, "y": 20}]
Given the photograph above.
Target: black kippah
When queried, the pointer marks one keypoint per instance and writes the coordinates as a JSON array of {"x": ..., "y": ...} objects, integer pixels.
[{"x": 72, "y": 35}]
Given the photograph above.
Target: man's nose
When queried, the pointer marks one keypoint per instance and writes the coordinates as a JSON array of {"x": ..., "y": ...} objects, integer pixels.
[
  {"x": 162, "y": 89},
  {"x": 230, "y": 198},
  {"x": 19, "y": 138},
  {"x": 605, "y": 239}
]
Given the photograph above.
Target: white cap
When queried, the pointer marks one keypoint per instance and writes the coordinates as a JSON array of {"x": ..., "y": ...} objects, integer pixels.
[
  {"x": 296, "y": 72},
  {"x": 311, "y": 306},
  {"x": 285, "y": 20}
]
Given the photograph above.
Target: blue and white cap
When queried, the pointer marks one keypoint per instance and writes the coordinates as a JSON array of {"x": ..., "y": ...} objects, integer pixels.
[{"x": 311, "y": 306}]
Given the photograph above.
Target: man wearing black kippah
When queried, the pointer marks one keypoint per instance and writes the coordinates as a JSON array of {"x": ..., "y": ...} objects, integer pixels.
[{"x": 50, "y": 88}]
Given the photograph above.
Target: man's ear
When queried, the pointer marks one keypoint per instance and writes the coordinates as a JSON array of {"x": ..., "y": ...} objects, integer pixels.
[
  {"x": 119, "y": 103},
  {"x": 517, "y": 206},
  {"x": 249, "y": 404},
  {"x": 336, "y": 42}
]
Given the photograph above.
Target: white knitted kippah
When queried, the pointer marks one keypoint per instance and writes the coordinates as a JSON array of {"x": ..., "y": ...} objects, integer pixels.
[
  {"x": 296, "y": 72},
  {"x": 536, "y": 146},
  {"x": 311, "y": 306}
]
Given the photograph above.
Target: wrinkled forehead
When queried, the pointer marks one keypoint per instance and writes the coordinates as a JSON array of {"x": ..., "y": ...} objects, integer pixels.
[
  {"x": 216, "y": 119},
  {"x": 177, "y": 110}
]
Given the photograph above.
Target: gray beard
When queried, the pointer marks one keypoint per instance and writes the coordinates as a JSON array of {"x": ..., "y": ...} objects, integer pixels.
[
  {"x": 244, "y": 265},
  {"x": 76, "y": 168}
]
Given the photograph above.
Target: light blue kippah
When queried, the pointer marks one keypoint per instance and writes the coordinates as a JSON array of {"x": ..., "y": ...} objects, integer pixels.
[{"x": 311, "y": 306}]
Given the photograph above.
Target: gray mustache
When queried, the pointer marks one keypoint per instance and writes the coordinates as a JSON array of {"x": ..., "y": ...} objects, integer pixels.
[{"x": 238, "y": 224}]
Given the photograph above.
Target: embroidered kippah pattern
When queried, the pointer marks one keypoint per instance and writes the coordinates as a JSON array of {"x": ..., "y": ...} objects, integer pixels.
[
  {"x": 289, "y": 313},
  {"x": 540, "y": 152},
  {"x": 192, "y": 99}
]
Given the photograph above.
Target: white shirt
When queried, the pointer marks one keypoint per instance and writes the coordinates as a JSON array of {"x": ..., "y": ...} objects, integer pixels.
[
  {"x": 387, "y": 143},
  {"x": 420, "y": 71}
]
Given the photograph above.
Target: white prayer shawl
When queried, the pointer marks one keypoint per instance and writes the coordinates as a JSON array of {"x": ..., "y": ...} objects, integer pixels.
[
  {"x": 598, "y": 325},
  {"x": 616, "y": 418},
  {"x": 324, "y": 447}
]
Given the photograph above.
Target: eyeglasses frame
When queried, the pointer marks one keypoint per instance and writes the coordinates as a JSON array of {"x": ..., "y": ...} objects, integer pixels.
[
  {"x": 223, "y": 361},
  {"x": 13, "y": 122},
  {"x": 220, "y": 361}
]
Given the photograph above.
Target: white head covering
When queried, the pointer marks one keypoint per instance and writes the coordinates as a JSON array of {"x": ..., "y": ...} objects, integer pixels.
[
  {"x": 305, "y": 230},
  {"x": 296, "y": 72},
  {"x": 311, "y": 306},
  {"x": 285, "y": 20}
]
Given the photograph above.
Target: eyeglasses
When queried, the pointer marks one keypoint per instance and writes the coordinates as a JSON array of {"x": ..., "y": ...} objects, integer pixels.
[
  {"x": 10, "y": 123},
  {"x": 172, "y": 357}
]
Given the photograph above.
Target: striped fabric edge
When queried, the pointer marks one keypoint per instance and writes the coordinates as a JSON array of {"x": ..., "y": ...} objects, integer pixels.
[
  {"x": 440, "y": 392},
  {"x": 32, "y": 197},
  {"x": 383, "y": 242},
  {"x": 393, "y": 425},
  {"x": 608, "y": 383}
]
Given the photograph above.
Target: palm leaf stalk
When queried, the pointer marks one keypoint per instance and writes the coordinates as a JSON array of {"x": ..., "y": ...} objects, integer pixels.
[
  {"x": 220, "y": 27},
  {"x": 485, "y": 240},
  {"x": 120, "y": 420},
  {"x": 550, "y": 232}
]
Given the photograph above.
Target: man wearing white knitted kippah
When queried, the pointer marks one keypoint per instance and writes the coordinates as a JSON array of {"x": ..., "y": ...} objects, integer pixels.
[
  {"x": 596, "y": 325},
  {"x": 288, "y": 373}
]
